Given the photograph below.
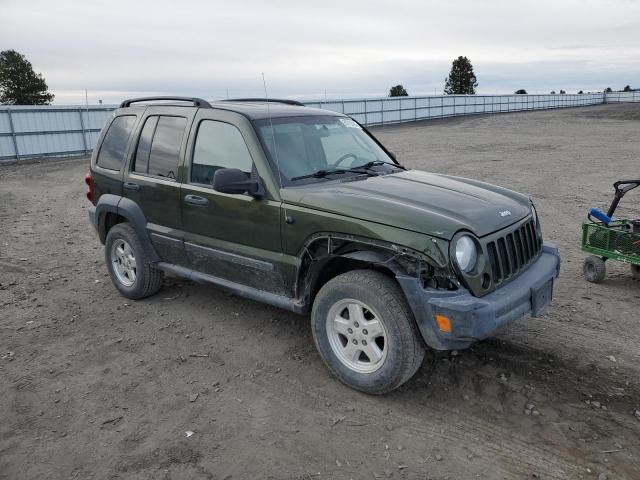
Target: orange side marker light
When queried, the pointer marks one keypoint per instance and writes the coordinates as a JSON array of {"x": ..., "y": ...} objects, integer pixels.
[{"x": 444, "y": 324}]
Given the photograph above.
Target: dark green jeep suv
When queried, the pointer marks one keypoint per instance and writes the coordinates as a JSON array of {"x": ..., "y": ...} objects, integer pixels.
[{"x": 305, "y": 210}]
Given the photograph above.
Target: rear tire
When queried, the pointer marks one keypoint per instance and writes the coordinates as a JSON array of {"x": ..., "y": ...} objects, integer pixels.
[
  {"x": 365, "y": 331},
  {"x": 594, "y": 269},
  {"x": 129, "y": 267}
]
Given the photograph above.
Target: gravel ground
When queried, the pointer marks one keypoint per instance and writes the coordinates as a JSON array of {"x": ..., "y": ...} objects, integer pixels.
[{"x": 95, "y": 386}]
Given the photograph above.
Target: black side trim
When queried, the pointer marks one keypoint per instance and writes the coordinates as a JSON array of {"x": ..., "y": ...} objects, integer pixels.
[
  {"x": 278, "y": 301},
  {"x": 229, "y": 257},
  {"x": 163, "y": 239}
]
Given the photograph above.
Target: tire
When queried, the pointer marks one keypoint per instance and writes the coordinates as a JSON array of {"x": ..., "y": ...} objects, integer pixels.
[
  {"x": 358, "y": 299},
  {"x": 635, "y": 272},
  {"x": 129, "y": 267},
  {"x": 594, "y": 269}
]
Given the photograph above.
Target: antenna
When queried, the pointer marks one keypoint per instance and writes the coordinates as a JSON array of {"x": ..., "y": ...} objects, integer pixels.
[{"x": 275, "y": 145}]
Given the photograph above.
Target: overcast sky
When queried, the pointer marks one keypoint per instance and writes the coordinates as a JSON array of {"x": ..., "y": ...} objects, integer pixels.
[{"x": 117, "y": 49}]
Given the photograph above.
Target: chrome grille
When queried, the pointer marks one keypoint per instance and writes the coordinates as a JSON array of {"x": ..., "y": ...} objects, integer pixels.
[{"x": 513, "y": 251}]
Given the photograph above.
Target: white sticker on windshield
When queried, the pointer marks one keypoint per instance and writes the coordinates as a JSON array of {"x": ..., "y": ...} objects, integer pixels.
[{"x": 349, "y": 123}]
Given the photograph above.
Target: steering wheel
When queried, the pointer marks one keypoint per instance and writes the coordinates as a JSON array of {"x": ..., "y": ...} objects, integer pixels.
[{"x": 344, "y": 157}]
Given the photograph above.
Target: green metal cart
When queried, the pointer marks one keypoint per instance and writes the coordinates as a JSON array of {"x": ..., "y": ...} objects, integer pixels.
[{"x": 606, "y": 238}]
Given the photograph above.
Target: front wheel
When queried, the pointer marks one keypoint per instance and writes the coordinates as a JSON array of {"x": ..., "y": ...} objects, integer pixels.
[
  {"x": 365, "y": 331},
  {"x": 594, "y": 269},
  {"x": 635, "y": 272}
]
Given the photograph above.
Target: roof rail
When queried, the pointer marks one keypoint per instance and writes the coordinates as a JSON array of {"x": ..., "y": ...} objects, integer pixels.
[
  {"x": 197, "y": 102},
  {"x": 270, "y": 100}
]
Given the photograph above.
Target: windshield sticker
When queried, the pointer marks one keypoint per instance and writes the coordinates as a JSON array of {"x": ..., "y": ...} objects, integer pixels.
[{"x": 347, "y": 122}]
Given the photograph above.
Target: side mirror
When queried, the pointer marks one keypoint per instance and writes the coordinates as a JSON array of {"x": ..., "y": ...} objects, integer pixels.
[
  {"x": 235, "y": 181},
  {"x": 392, "y": 155}
]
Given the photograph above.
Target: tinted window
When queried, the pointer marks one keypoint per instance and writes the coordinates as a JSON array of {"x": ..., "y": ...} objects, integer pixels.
[
  {"x": 141, "y": 161},
  {"x": 218, "y": 145},
  {"x": 165, "y": 146},
  {"x": 111, "y": 154}
]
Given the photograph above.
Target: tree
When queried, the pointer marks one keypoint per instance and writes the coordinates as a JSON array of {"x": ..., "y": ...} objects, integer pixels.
[
  {"x": 552, "y": 92},
  {"x": 627, "y": 88},
  {"x": 522, "y": 91},
  {"x": 398, "y": 91},
  {"x": 580, "y": 92},
  {"x": 19, "y": 84},
  {"x": 608, "y": 90},
  {"x": 562, "y": 92},
  {"x": 461, "y": 80}
]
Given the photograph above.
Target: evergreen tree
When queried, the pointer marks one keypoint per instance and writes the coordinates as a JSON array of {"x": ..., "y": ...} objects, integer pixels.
[
  {"x": 522, "y": 91},
  {"x": 627, "y": 88},
  {"x": 461, "y": 79},
  {"x": 398, "y": 91},
  {"x": 19, "y": 84}
]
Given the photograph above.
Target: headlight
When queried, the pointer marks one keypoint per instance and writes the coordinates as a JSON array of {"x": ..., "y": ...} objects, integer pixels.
[{"x": 466, "y": 253}]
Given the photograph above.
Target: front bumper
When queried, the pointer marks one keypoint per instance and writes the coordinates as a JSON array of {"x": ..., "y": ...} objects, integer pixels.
[{"x": 474, "y": 318}]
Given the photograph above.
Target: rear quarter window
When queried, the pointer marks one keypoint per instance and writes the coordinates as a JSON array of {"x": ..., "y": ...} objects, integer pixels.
[
  {"x": 111, "y": 153},
  {"x": 158, "y": 151}
]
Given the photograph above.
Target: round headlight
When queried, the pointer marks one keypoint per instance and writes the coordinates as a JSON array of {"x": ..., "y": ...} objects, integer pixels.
[{"x": 466, "y": 254}]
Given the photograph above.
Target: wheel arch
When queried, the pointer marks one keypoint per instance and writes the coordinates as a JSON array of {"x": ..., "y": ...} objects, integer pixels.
[
  {"x": 326, "y": 256},
  {"x": 114, "y": 209}
]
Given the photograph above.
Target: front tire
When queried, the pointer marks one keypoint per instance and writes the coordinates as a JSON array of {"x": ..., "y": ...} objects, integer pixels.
[
  {"x": 635, "y": 272},
  {"x": 365, "y": 331},
  {"x": 594, "y": 269},
  {"x": 129, "y": 267}
]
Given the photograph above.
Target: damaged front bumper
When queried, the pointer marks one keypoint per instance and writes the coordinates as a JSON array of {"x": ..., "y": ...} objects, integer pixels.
[{"x": 473, "y": 318}]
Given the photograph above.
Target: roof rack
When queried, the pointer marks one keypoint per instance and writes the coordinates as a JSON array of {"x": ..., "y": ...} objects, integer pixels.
[
  {"x": 270, "y": 100},
  {"x": 197, "y": 102}
]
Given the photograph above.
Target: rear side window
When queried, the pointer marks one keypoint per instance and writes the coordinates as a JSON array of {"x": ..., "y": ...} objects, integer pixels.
[
  {"x": 111, "y": 154},
  {"x": 158, "y": 149},
  {"x": 218, "y": 145}
]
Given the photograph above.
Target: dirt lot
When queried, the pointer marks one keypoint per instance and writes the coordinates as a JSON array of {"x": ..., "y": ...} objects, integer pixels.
[{"x": 95, "y": 386}]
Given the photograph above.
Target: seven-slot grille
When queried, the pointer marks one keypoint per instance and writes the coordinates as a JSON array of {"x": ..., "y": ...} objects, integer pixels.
[{"x": 512, "y": 252}]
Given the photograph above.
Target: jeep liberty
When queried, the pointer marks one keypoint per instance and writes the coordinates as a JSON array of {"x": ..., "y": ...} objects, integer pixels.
[{"x": 306, "y": 210}]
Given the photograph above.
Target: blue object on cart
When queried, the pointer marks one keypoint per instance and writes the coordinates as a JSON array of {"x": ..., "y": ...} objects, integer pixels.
[{"x": 600, "y": 215}]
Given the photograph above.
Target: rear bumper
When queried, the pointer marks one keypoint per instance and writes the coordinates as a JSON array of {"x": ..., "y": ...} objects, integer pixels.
[
  {"x": 93, "y": 218},
  {"x": 474, "y": 318}
]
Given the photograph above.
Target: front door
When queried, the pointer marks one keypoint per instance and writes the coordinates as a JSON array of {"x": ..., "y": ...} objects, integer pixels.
[{"x": 233, "y": 237}]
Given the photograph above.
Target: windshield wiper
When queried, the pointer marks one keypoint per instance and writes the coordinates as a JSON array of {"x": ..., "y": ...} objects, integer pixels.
[
  {"x": 376, "y": 163},
  {"x": 335, "y": 171}
]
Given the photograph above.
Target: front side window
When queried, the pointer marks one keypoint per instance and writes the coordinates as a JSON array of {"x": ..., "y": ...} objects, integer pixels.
[
  {"x": 301, "y": 146},
  {"x": 218, "y": 145},
  {"x": 158, "y": 151},
  {"x": 111, "y": 154}
]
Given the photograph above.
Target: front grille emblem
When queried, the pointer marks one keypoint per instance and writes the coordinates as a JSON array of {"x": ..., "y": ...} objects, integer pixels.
[{"x": 505, "y": 213}]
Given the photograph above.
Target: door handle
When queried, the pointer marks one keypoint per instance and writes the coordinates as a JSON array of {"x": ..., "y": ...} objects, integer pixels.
[
  {"x": 131, "y": 186},
  {"x": 196, "y": 200}
]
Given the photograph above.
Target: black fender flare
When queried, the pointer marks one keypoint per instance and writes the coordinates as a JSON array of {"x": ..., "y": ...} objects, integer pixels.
[{"x": 109, "y": 203}]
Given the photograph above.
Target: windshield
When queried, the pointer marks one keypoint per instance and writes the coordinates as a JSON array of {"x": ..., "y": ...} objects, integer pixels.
[{"x": 303, "y": 146}]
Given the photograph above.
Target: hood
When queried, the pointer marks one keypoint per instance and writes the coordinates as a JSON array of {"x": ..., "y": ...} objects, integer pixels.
[{"x": 433, "y": 204}]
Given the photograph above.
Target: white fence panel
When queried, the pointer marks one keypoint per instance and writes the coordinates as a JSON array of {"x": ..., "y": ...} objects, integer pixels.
[{"x": 28, "y": 131}]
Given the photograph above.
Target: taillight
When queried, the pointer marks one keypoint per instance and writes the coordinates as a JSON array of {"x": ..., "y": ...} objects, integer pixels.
[{"x": 89, "y": 181}]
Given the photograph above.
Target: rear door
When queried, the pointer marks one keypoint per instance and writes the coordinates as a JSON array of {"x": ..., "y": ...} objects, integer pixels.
[
  {"x": 233, "y": 237},
  {"x": 153, "y": 180}
]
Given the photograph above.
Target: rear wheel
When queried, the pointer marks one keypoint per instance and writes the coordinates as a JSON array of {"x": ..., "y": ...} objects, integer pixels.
[
  {"x": 594, "y": 269},
  {"x": 365, "y": 332},
  {"x": 129, "y": 267}
]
